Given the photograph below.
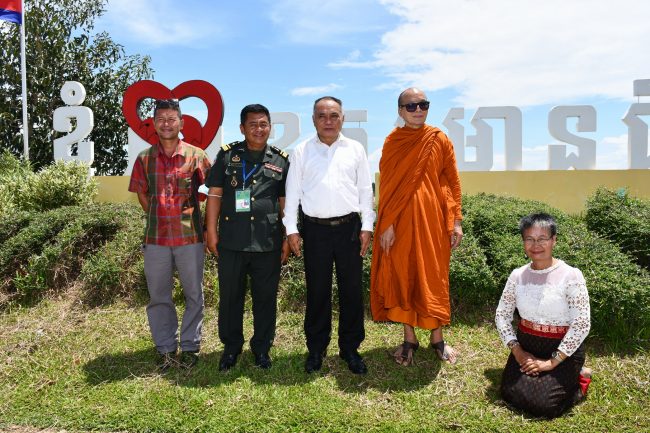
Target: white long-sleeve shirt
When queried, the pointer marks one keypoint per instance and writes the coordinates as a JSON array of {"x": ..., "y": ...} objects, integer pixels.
[
  {"x": 328, "y": 181},
  {"x": 554, "y": 296}
]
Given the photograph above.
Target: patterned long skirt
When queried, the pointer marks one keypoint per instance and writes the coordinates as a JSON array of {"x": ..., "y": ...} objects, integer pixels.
[{"x": 551, "y": 393}]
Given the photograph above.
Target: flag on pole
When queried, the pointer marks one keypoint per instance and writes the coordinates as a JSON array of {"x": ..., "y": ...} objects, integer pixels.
[{"x": 11, "y": 10}]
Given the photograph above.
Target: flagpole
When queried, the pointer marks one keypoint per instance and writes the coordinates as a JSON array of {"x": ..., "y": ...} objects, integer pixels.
[{"x": 23, "y": 67}]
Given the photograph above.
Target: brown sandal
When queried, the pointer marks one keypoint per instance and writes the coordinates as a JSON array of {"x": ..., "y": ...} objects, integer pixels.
[{"x": 404, "y": 353}]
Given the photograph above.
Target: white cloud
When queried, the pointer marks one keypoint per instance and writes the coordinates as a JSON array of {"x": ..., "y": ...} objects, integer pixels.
[
  {"x": 513, "y": 52},
  {"x": 315, "y": 90},
  {"x": 160, "y": 23},
  {"x": 326, "y": 22}
]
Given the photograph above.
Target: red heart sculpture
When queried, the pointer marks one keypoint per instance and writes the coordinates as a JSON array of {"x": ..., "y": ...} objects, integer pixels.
[{"x": 193, "y": 132}]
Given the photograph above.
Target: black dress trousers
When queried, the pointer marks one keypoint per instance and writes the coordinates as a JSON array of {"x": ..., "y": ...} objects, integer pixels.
[
  {"x": 264, "y": 271},
  {"x": 325, "y": 246}
]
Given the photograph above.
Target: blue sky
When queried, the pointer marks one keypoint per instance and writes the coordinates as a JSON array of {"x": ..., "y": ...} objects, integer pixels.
[{"x": 463, "y": 53}]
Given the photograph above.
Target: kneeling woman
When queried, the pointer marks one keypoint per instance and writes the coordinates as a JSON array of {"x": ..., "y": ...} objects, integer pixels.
[{"x": 544, "y": 375}]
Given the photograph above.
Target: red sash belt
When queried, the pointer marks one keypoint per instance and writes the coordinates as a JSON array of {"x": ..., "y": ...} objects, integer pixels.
[{"x": 548, "y": 331}]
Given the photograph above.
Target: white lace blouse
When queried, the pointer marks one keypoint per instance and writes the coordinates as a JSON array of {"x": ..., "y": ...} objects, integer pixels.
[{"x": 553, "y": 296}]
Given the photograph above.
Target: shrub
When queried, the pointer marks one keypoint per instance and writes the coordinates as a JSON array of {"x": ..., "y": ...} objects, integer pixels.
[
  {"x": 15, "y": 175},
  {"x": 471, "y": 280},
  {"x": 12, "y": 223},
  {"x": 622, "y": 219},
  {"x": 60, "y": 261},
  {"x": 292, "y": 289},
  {"x": 59, "y": 184},
  {"x": 31, "y": 240},
  {"x": 618, "y": 289},
  {"x": 117, "y": 267}
]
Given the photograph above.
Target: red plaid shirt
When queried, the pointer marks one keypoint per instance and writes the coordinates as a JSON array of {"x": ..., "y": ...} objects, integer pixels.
[{"x": 174, "y": 216}]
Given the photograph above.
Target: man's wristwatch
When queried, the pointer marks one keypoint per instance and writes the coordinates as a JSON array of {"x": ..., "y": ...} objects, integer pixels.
[
  {"x": 557, "y": 356},
  {"x": 512, "y": 343}
]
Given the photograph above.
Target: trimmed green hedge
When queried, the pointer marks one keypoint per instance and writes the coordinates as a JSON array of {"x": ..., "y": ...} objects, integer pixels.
[
  {"x": 29, "y": 241},
  {"x": 97, "y": 248},
  {"x": 470, "y": 278},
  {"x": 59, "y": 184},
  {"x": 622, "y": 219},
  {"x": 619, "y": 290}
]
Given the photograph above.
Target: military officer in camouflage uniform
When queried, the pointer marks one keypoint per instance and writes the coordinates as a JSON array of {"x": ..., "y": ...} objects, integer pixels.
[{"x": 246, "y": 197}]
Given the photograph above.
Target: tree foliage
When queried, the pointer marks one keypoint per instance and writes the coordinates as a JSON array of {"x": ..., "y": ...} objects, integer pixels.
[{"x": 61, "y": 46}]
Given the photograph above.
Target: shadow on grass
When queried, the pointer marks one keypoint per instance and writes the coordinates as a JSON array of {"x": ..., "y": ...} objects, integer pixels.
[
  {"x": 493, "y": 393},
  {"x": 384, "y": 374}
]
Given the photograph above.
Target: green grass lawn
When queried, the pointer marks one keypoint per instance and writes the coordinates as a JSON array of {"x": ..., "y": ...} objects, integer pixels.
[{"x": 68, "y": 367}]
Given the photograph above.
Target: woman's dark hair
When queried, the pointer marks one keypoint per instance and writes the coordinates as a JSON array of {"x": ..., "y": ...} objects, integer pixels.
[{"x": 541, "y": 219}]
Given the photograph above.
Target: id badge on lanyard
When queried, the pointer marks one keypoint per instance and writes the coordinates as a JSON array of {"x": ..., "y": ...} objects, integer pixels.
[{"x": 243, "y": 196}]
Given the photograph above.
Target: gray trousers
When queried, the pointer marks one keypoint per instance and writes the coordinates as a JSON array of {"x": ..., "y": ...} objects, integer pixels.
[{"x": 159, "y": 263}]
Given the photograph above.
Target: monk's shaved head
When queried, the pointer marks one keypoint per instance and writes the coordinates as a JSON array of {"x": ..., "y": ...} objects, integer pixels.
[{"x": 408, "y": 92}]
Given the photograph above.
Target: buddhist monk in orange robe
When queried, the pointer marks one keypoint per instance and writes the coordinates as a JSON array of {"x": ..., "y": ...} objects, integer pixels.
[{"x": 418, "y": 224}]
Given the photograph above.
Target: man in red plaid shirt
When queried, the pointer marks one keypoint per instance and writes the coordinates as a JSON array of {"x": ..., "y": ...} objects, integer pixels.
[{"x": 166, "y": 178}]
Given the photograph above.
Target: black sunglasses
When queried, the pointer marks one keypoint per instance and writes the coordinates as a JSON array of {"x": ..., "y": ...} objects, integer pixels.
[{"x": 411, "y": 107}]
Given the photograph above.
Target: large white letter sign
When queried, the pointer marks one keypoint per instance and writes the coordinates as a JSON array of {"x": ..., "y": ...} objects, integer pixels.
[
  {"x": 637, "y": 129},
  {"x": 557, "y": 157},
  {"x": 291, "y": 129},
  {"x": 637, "y": 136},
  {"x": 456, "y": 133},
  {"x": 73, "y": 94},
  {"x": 483, "y": 140},
  {"x": 358, "y": 134}
]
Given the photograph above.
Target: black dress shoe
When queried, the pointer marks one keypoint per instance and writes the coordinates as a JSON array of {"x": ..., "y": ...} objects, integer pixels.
[
  {"x": 355, "y": 361},
  {"x": 189, "y": 359},
  {"x": 314, "y": 361},
  {"x": 166, "y": 361},
  {"x": 227, "y": 361},
  {"x": 262, "y": 360}
]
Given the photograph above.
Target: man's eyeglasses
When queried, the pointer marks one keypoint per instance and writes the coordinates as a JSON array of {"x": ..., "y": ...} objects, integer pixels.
[
  {"x": 539, "y": 241},
  {"x": 412, "y": 106}
]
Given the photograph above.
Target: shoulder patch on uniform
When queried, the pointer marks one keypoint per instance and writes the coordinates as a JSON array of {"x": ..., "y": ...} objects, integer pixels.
[
  {"x": 229, "y": 146},
  {"x": 280, "y": 152}
]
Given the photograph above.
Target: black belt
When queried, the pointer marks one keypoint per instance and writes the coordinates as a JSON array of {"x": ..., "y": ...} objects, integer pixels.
[{"x": 334, "y": 221}]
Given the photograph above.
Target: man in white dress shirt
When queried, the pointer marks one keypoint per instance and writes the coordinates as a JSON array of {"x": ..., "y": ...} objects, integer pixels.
[{"x": 330, "y": 179}]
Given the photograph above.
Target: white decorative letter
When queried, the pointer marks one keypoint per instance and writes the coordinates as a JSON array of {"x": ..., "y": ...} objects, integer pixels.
[
  {"x": 74, "y": 94},
  {"x": 586, "y": 158},
  {"x": 456, "y": 133},
  {"x": 291, "y": 132},
  {"x": 637, "y": 136},
  {"x": 358, "y": 134}
]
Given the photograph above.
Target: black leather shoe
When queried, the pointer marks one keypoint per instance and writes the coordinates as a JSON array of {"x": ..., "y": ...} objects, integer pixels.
[
  {"x": 262, "y": 360},
  {"x": 227, "y": 361},
  {"x": 314, "y": 361},
  {"x": 355, "y": 361},
  {"x": 189, "y": 359},
  {"x": 166, "y": 361}
]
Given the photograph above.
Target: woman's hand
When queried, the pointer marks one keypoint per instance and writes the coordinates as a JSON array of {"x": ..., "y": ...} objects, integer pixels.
[{"x": 530, "y": 364}]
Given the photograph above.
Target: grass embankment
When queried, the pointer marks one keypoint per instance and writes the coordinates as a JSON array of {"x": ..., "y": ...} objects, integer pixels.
[{"x": 69, "y": 367}]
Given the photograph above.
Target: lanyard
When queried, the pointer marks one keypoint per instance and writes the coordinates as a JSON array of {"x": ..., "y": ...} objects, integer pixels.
[{"x": 250, "y": 173}]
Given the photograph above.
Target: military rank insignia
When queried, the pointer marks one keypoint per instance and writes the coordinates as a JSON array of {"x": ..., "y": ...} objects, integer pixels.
[{"x": 273, "y": 167}]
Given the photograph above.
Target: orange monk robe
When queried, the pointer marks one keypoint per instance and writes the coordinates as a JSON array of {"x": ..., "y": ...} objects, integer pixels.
[{"x": 420, "y": 196}]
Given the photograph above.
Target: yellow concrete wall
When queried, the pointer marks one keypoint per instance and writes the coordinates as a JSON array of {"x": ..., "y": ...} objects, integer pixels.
[{"x": 564, "y": 189}]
